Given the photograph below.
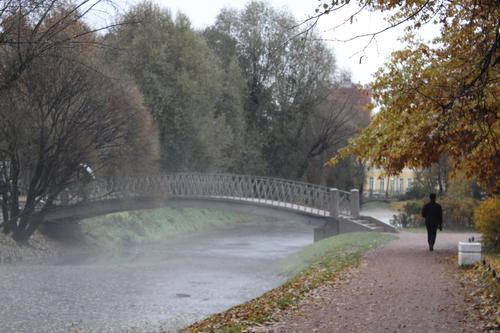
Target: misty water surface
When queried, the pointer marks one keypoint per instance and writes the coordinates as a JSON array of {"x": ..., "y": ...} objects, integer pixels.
[{"x": 169, "y": 285}]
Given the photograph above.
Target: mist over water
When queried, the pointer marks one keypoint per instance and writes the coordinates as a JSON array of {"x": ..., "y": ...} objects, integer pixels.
[{"x": 168, "y": 284}]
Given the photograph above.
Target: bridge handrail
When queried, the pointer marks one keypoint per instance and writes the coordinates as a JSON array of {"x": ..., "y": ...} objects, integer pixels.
[
  {"x": 281, "y": 180},
  {"x": 228, "y": 186}
]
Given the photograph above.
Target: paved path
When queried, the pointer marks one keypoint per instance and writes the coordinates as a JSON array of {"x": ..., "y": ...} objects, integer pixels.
[{"x": 401, "y": 287}]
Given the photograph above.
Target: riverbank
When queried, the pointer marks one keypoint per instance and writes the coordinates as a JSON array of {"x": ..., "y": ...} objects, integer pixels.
[
  {"x": 312, "y": 267},
  {"x": 155, "y": 225},
  {"x": 116, "y": 231},
  {"x": 40, "y": 246}
]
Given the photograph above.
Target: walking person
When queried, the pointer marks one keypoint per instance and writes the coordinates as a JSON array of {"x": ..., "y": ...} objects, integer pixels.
[{"x": 433, "y": 215}]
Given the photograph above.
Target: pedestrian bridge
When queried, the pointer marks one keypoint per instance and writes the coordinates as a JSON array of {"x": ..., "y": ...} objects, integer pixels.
[{"x": 315, "y": 204}]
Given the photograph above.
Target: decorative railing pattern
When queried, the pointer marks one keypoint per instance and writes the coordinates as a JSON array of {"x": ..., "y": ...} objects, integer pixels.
[{"x": 311, "y": 198}]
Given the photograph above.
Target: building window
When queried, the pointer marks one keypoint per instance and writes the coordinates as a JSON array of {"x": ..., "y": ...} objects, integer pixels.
[
  {"x": 409, "y": 183},
  {"x": 401, "y": 185},
  {"x": 371, "y": 183},
  {"x": 382, "y": 185}
]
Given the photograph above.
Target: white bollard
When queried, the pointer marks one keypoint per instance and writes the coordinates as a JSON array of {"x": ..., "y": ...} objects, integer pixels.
[{"x": 468, "y": 253}]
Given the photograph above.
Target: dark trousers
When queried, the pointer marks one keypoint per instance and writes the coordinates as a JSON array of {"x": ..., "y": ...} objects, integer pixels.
[{"x": 431, "y": 233}]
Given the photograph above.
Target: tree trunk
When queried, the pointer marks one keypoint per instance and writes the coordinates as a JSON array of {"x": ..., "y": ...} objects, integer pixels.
[
  {"x": 13, "y": 189},
  {"x": 27, "y": 227},
  {"x": 5, "y": 213}
]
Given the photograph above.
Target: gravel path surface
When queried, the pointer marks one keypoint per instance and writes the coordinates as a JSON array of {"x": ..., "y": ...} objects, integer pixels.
[{"x": 401, "y": 287}]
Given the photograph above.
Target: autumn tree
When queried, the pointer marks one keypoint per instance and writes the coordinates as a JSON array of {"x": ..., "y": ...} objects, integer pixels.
[
  {"x": 439, "y": 98},
  {"x": 20, "y": 46},
  {"x": 62, "y": 112}
]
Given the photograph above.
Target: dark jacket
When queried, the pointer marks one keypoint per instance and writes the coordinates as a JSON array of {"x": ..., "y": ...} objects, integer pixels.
[{"x": 433, "y": 214}]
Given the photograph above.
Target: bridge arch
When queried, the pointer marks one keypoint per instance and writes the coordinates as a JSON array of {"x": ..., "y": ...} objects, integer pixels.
[
  {"x": 319, "y": 205},
  {"x": 299, "y": 197},
  {"x": 138, "y": 192}
]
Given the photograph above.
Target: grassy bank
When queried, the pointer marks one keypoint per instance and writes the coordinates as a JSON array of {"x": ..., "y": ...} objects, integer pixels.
[
  {"x": 308, "y": 269},
  {"x": 331, "y": 253},
  {"x": 377, "y": 205},
  {"x": 143, "y": 226}
]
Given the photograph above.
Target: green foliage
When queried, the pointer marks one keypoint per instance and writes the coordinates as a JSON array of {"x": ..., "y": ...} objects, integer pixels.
[
  {"x": 286, "y": 81},
  {"x": 143, "y": 226},
  {"x": 409, "y": 215},
  {"x": 404, "y": 220},
  {"x": 196, "y": 104},
  {"x": 415, "y": 192},
  {"x": 243, "y": 96},
  {"x": 413, "y": 207},
  {"x": 487, "y": 221}
]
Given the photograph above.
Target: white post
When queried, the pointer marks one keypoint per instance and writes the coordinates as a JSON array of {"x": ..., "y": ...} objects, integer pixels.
[
  {"x": 468, "y": 253},
  {"x": 334, "y": 209},
  {"x": 355, "y": 203}
]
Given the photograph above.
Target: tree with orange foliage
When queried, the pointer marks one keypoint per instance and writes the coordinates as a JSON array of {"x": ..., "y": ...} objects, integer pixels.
[{"x": 438, "y": 98}]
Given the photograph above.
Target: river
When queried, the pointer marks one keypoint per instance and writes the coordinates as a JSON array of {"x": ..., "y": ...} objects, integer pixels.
[{"x": 144, "y": 288}]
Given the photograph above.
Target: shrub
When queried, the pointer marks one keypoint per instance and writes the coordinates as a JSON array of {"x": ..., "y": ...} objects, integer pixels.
[
  {"x": 409, "y": 216},
  {"x": 415, "y": 192},
  {"x": 487, "y": 221},
  {"x": 458, "y": 211},
  {"x": 413, "y": 207},
  {"x": 403, "y": 220}
]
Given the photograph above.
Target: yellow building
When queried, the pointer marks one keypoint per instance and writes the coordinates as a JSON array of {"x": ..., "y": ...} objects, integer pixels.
[{"x": 377, "y": 182}]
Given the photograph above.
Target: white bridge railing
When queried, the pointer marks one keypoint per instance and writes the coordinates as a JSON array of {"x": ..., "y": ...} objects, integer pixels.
[{"x": 310, "y": 198}]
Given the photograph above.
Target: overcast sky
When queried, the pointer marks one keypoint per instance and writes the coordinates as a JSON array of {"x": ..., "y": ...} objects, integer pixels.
[{"x": 203, "y": 13}]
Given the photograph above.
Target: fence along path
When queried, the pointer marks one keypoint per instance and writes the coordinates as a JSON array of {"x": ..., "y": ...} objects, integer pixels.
[{"x": 303, "y": 197}]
